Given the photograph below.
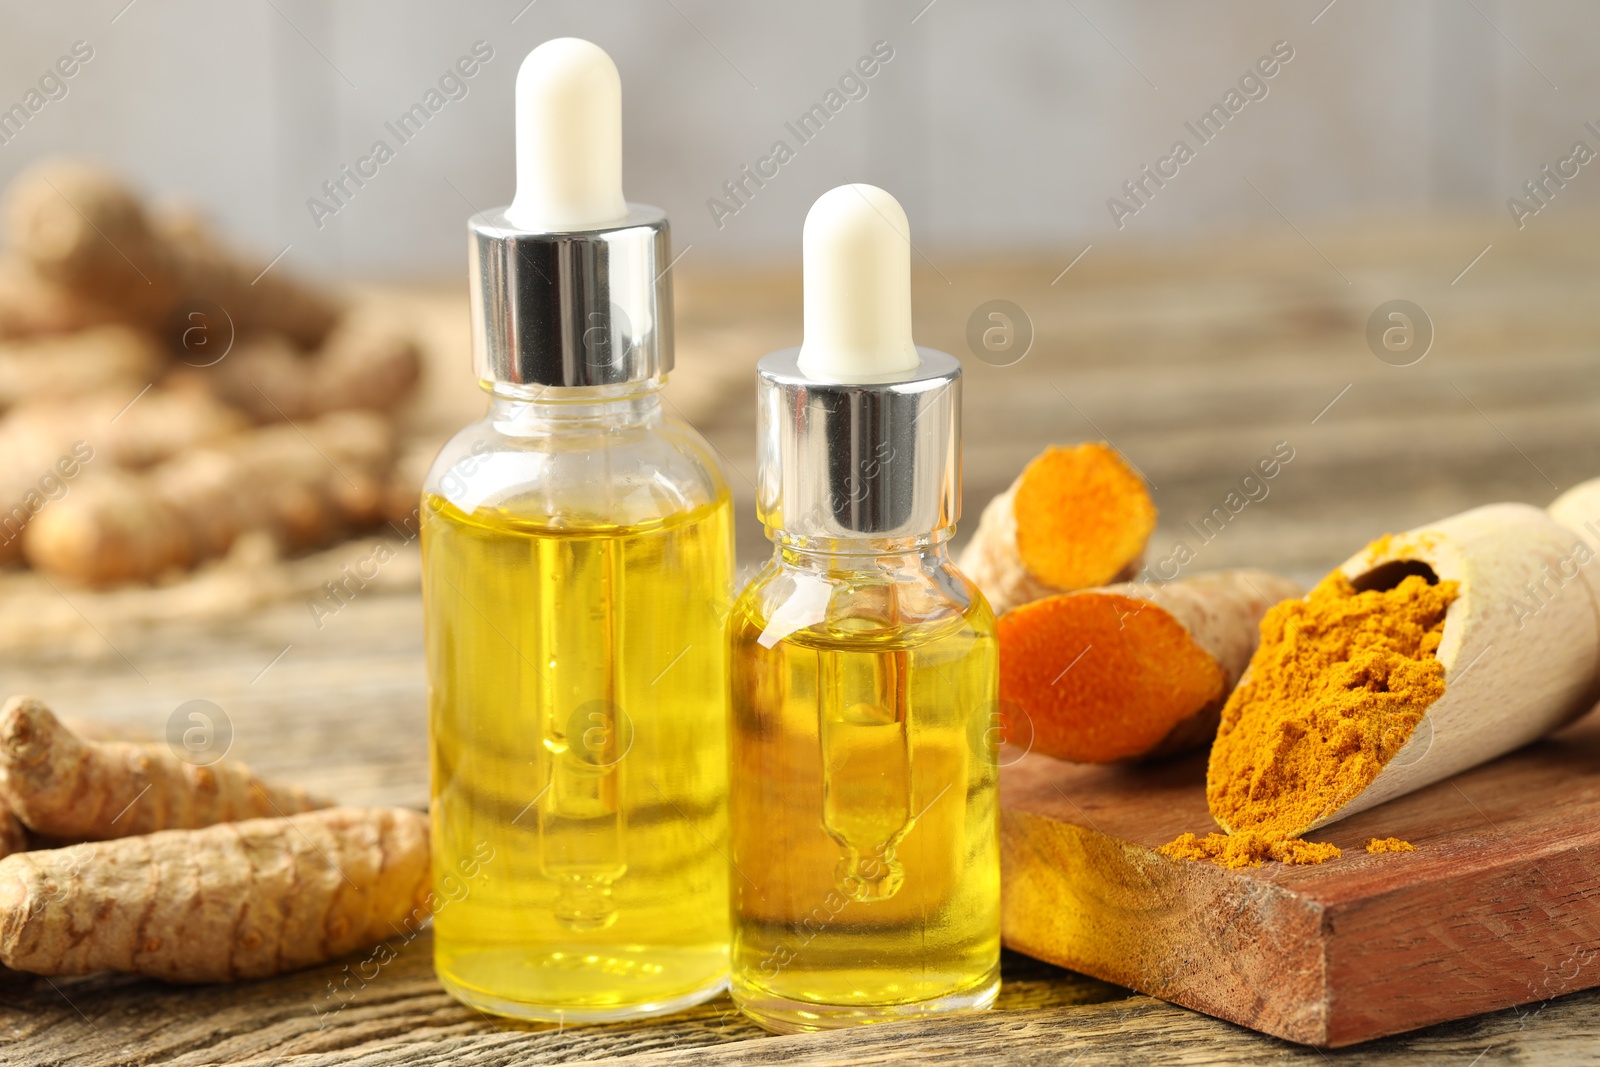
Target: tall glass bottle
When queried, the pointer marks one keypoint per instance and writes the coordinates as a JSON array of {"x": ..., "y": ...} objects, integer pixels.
[
  {"x": 863, "y": 666},
  {"x": 577, "y": 555}
]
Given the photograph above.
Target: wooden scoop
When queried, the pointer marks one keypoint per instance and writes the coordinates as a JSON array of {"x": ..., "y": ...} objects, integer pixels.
[
  {"x": 1578, "y": 509},
  {"x": 1521, "y": 642}
]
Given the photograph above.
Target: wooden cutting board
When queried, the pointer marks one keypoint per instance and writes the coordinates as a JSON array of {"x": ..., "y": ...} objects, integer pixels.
[{"x": 1498, "y": 906}]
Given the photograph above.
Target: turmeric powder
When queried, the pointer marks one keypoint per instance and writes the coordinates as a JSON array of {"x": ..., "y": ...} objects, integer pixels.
[
  {"x": 1335, "y": 689},
  {"x": 1248, "y": 849},
  {"x": 1389, "y": 844}
]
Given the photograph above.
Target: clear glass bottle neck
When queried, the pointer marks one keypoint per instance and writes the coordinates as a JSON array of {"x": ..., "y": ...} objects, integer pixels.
[
  {"x": 858, "y": 553},
  {"x": 518, "y": 410}
]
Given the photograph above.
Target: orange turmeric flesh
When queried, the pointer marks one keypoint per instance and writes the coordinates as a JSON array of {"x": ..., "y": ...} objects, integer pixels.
[
  {"x": 1100, "y": 676},
  {"x": 1083, "y": 516},
  {"x": 1335, "y": 689}
]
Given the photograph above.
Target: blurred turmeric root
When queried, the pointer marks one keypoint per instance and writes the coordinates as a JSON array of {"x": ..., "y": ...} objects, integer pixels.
[
  {"x": 47, "y": 448},
  {"x": 306, "y": 485},
  {"x": 110, "y": 358},
  {"x": 81, "y": 230},
  {"x": 365, "y": 363}
]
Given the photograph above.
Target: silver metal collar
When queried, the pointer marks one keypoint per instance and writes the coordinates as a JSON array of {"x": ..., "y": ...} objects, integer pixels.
[
  {"x": 573, "y": 308},
  {"x": 875, "y": 459}
]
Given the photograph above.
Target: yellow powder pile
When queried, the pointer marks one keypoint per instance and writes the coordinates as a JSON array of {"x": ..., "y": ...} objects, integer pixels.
[
  {"x": 1390, "y": 844},
  {"x": 1336, "y": 687},
  {"x": 1248, "y": 849}
]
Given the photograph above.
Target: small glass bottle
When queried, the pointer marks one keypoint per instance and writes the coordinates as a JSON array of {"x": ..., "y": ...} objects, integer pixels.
[
  {"x": 864, "y": 667},
  {"x": 577, "y": 551}
]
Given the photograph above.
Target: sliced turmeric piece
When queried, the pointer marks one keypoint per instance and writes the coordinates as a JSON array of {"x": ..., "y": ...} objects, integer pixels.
[
  {"x": 1131, "y": 671},
  {"x": 238, "y": 900},
  {"x": 1075, "y": 518},
  {"x": 65, "y": 788}
]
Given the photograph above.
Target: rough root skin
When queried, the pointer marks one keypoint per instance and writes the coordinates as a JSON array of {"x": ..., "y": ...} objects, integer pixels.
[
  {"x": 68, "y": 789},
  {"x": 239, "y": 900}
]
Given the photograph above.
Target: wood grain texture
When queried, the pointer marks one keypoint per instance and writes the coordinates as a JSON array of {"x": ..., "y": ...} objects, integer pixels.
[
  {"x": 1499, "y": 905},
  {"x": 400, "y": 1015},
  {"x": 403, "y": 1019}
]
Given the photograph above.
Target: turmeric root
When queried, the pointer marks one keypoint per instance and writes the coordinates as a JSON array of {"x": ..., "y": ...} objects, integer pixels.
[
  {"x": 1075, "y": 518},
  {"x": 402, "y": 497},
  {"x": 31, "y": 306},
  {"x": 49, "y": 445},
  {"x": 110, "y": 358},
  {"x": 80, "y": 228},
  {"x": 33, "y": 475},
  {"x": 238, "y": 900},
  {"x": 1131, "y": 671},
  {"x": 365, "y": 364},
  {"x": 125, "y": 429},
  {"x": 305, "y": 485},
  {"x": 68, "y": 789},
  {"x": 13, "y": 835}
]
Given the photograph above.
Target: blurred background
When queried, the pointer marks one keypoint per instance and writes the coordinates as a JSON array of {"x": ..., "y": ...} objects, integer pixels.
[
  {"x": 1343, "y": 163},
  {"x": 1002, "y": 127}
]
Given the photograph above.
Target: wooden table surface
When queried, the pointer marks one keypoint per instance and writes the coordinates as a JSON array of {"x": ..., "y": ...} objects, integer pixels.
[{"x": 1194, "y": 360}]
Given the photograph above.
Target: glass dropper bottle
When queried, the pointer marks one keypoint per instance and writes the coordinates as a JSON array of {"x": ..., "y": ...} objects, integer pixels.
[
  {"x": 863, "y": 665},
  {"x": 577, "y": 551}
]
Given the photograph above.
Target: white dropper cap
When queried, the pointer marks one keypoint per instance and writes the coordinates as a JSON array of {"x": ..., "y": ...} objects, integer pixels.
[
  {"x": 856, "y": 257},
  {"x": 569, "y": 139}
]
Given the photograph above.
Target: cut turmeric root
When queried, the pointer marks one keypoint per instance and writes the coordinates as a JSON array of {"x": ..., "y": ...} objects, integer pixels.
[
  {"x": 1075, "y": 518},
  {"x": 1130, "y": 671},
  {"x": 68, "y": 789},
  {"x": 239, "y": 900}
]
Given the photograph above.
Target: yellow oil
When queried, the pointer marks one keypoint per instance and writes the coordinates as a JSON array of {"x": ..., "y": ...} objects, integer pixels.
[
  {"x": 867, "y": 881},
  {"x": 577, "y": 694}
]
